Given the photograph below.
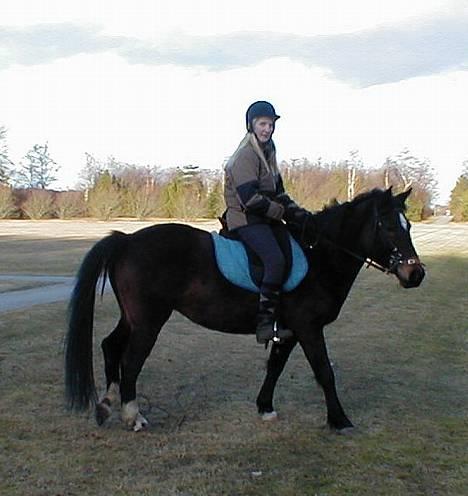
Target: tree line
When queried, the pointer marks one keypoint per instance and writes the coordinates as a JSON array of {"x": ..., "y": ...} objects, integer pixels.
[{"x": 110, "y": 188}]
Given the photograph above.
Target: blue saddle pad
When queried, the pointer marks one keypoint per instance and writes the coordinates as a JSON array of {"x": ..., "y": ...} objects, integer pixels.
[{"x": 233, "y": 263}]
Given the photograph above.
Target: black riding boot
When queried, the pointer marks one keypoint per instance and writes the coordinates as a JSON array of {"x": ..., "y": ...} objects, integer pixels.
[{"x": 267, "y": 326}]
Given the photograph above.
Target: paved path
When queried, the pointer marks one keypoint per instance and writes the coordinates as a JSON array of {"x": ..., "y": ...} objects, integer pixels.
[{"x": 55, "y": 288}]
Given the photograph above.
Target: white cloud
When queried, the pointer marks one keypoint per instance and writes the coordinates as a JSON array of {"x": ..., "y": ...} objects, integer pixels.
[
  {"x": 150, "y": 18},
  {"x": 168, "y": 115}
]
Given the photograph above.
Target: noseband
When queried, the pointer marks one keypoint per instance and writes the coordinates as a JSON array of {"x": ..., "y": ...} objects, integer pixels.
[{"x": 396, "y": 257}]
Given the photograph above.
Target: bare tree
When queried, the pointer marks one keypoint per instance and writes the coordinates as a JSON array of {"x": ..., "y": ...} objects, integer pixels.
[
  {"x": 91, "y": 171},
  {"x": 353, "y": 163},
  {"x": 404, "y": 170}
]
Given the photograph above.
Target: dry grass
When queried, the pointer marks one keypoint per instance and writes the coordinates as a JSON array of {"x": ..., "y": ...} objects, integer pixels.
[{"x": 400, "y": 359}]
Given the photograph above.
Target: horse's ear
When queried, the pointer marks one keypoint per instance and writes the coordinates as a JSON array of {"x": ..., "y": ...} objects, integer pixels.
[
  {"x": 401, "y": 198},
  {"x": 388, "y": 195},
  {"x": 385, "y": 199}
]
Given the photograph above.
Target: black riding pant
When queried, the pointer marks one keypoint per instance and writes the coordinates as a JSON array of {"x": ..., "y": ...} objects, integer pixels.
[{"x": 261, "y": 239}]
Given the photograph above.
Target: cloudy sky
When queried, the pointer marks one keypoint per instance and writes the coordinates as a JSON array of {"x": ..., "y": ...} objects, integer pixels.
[{"x": 168, "y": 82}]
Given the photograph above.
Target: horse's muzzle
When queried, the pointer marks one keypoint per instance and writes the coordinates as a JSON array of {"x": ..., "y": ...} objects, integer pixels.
[{"x": 410, "y": 273}]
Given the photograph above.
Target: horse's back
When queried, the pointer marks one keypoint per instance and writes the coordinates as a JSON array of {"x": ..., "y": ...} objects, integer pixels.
[
  {"x": 168, "y": 247},
  {"x": 163, "y": 259},
  {"x": 174, "y": 265}
]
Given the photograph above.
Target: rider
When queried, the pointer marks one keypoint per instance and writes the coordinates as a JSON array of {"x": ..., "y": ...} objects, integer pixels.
[{"x": 256, "y": 204}]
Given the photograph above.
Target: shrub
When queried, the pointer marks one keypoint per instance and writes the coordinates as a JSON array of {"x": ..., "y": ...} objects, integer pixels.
[
  {"x": 38, "y": 205},
  {"x": 7, "y": 203},
  {"x": 104, "y": 199},
  {"x": 69, "y": 204}
]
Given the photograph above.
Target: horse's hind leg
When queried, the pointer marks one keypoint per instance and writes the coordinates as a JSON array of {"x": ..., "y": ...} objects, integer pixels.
[
  {"x": 113, "y": 347},
  {"x": 141, "y": 341},
  {"x": 278, "y": 357}
]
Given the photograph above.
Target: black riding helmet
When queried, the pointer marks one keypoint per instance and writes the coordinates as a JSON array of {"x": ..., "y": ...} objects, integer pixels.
[{"x": 259, "y": 109}]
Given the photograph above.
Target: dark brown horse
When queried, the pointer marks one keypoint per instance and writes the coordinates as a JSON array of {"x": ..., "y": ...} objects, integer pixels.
[{"x": 172, "y": 267}]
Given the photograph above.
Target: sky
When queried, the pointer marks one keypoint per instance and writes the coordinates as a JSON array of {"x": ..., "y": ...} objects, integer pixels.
[{"x": 167, "y": 83}]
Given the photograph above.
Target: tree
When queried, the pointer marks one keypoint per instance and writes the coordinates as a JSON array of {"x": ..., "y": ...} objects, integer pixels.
[
  {"x": 5, "y": 162},
  {"x": 215, "y": 204},
  {"x": 315, "y": 184},
  {"x": 353, "y": 164},
  {"x": 184, "y": 195},
  {"x": 38, "y": 170},
  {"x": 91, "y": 171},
  {"x": 459, "y": 196},
  {"x": 104, "y": 198},
  {"x": 405, "y": 170},
  {"x": 140, "y": 191}
]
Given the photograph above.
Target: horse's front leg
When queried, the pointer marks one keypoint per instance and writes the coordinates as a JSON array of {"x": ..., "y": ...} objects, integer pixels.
[
  {"x": 313, "y": 344},
  {"x": 278, "y": 357}
]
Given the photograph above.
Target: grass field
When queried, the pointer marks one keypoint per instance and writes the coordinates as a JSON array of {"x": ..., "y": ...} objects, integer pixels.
[{"x": 399, "y": 355}]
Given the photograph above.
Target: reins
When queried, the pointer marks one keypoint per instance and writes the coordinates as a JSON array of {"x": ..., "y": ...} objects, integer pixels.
[
  {"x": 395, "y": 258},
  {"x": 365, "y": 260}
]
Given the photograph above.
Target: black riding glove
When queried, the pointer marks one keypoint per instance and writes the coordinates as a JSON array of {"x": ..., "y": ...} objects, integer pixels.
[
  {"x": 303, "y": 221},
  {"x": 285, "y": 200},
  {"x": 296, "y": 216}
]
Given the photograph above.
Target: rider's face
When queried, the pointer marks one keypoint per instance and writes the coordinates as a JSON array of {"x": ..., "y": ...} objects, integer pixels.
[{"x": 263, "y": 128}]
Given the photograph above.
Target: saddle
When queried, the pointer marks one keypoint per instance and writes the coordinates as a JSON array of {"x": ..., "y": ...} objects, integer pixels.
[{"x": 242, "y": 267}]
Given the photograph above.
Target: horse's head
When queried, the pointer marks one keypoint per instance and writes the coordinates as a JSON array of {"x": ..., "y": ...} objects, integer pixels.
[
  {"x": 371, "y": 228},
  {"x": 391, "y": 245}
]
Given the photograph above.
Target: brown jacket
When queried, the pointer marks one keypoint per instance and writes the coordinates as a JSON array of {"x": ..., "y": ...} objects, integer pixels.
[{"x": 250, "y": 189}]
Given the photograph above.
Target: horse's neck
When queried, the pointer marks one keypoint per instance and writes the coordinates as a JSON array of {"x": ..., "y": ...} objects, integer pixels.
[
  {"x": 342, "y": 246},
  {"x": 345, "y": 227}
]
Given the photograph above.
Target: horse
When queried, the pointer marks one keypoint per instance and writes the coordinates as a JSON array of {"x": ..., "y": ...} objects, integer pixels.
[{"x": 168, "y": 267}]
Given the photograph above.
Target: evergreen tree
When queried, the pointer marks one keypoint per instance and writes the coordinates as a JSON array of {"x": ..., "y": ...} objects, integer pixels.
[
  {"x": 459, "y": 196},
  {"x": 38, "y": 170},
  {"x": 104, "y": 198},
  {"x": 215, "y": 204},
  {"x": 184, "y": 195},
  {"x": 5, "y": 162}
]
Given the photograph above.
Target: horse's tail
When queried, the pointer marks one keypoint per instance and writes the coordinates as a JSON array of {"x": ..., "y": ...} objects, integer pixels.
[{"x": 80, "y": 389}]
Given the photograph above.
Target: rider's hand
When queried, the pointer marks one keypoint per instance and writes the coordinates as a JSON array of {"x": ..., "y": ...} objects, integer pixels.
[{"x": 295, "y": 215}]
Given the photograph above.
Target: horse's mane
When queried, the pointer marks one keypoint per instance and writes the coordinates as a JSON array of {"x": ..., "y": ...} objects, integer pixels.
[
  {"x": 362, "y": 197},
  {"x": 334, "y": 216}
]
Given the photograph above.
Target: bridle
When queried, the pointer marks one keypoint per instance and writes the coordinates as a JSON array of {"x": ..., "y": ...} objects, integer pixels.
[{"x": 395, "y": 260}]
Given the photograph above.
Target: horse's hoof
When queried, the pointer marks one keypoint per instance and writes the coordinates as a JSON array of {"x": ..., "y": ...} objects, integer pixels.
[
  {"x": 140, "y": 423},
  {"x": 103, "y": 412},
  {"x": 346, "y": 431},
  {"x": 269, "y": 416}
]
